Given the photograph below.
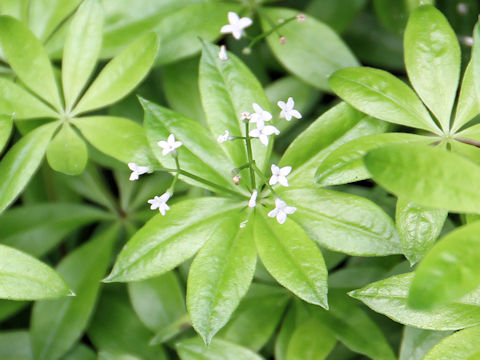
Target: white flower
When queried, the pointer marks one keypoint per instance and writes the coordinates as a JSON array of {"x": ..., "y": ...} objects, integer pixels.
[
  {"x": 280, "y": 175},
  {"x": 281, "y": 211},
  {"x": 170, "y": 145},
  {"x": 287, "y": 110},
  {"x": 160, "y": 202},
  {"x": 245, "y": 115},
  {"x": 236, "y": 25},
  {"x": 222, "y": 55},
  {"x": 137, "y": 170},
  {"x": 263, "y": 132},
  {"x": 253, "y": 199},
  {"x": 225, "y": 137},
  {"x": 259, "y": 114}
]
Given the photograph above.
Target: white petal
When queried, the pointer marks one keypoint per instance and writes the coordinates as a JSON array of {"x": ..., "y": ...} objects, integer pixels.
[
  {"x": 290, "y": 210},
  {"x": 270, "y": 129},
  {"x": 237, "y": 33},
  {"x": 273, "y": 180},
  {"x": 245, "y": 22},
  {"x": 133, "y": 176},
  {"x": 281, "y": 217},
  {"x": 254, "y": 133},
  {"x": 290, "y": 103},
  {"x": 263, "y": 139},
  {"x": 283, "y": 181},
  {"x": 281, "y": 105},
  {"x": 257, "y": 108},
  {"x": 296, "y": 114},
  {"x": 266, "y": 116},
  {"x": 163, "y": 144},
  {"x": 287, "y": 115},
  {"x": 233, "y": 18},
  {"x": 273, "y": 213},
  {"x": 132, "y": 166},
  {"x": 226, "y": 29},
  {"x": 171, "y": 139},
  {"x": 284, "y": 171},
  {"x": 166, "y": 151},
  {"x": 177, "y": 144},
  {"x": 275, "y": 169}
]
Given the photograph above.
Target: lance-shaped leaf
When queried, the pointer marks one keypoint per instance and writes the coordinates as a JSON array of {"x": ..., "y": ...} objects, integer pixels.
[
  {"x": 423, "y": 174},
  {"x": 461, "y": 345},
  {"x": 28, "y": 58},
  {"x": 449, "y": 271},
  {"x": 81, "y": 50},
  {"x": 418, "y": 228},
  {"x": 26, "y": 278},
  {"x": 166, "y": 241},
  {"x": 476, "y": 60},
  {"x": 21, "y": 162},
  {"x": 15, "y": 345},
  {"x": 390, "y": 296},
  {"x": 343, "y": 222},
  {"x": 292, "y": 258},
  {"x": 301, "y": 54},
  {"x": 6, "y": 127},
  {"x": 57, "y": 325},
  {"x": 417, "y": 342},
  {"x": 67, "y": 152},
  {"x": 195, "y": 349},
  {"x": 345, "y": 164},
  {"x": 220, "y": 276},
  {"x": 199, "y": 154},
  {"x": 120, "y": 75},
  {"x": 304, "y": 346},
  {"x": 432, "y": 60},
  {"x": 380, "y": 94},
  {"x": 467, "y": 107},
  {"x": 120, "y": 138},
  {"x": 229, "y": 88},
  {"x": 337, "y": 126}
]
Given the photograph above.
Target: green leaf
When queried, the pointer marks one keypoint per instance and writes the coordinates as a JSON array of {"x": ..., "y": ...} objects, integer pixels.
[
  {"x": 337, "y": 14},
  {"x": 219, "y": 277},
  {"x": 408, "y": 170},
  {"x": 19, "y": 104},
  {"x": 15, "y": 345},
  {"x": 449, "y": 270},
  {"x": 342, "y": 222},
  {"x": 476, "y": 61},
  {"x": 6, "y": 127},
  {"x": 418, "y": 228},
  {"x": 167, "y": 241},
  {"x": 47, "y": 225},
  {"x": 80, "y": 352},
  {"x": 120, "y": 138},
  {"x": 467, "y": 107},
  {"x": 159, "y": 301},
  {"x": 120, "y": 75},
  {"x": 335, "y": 127},
  {"x": 462, "y": 345},
  {"x": 81, "y": 50},
  {"x": 28, "y": 59},
  {"x": 57, "y": 325},
  {"x": 310, "y": 341},
  {"x": 300, "y": 54},
  {"x": 195, "y": 349},
  {"x": 26, "y": 278},
  {"x": 67, "y": 152},
  {"x": 380, "y": 94},
  {"x": 417, "y": 342},
  {"x": 199, "y": 154},
  {"x": 229, "y": 88},
  {"x": 292, "y": 258},
  {"x": 389, "y": 297},
  {"x": 432, "y": 60},
  {"x": 286, "y": 330},
  {"x": 21, "y": 162},
  {"x": 345, "y": 164}
]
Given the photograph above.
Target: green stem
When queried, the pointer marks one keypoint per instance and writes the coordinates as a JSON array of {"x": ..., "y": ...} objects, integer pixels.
[
  {"x": 248, "y": 144},
  {"x": 262, "y": 176},
  {"x": 274, "y": 28}
]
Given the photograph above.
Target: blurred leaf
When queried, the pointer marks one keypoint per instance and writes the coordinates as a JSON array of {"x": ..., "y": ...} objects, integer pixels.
[
  {"x": 461, "y": 345},
  {"x": 417, "y": 342},
  {"x": 467, "y": 107},
  {"x": 80, "y": 352},
  {"x": 6, "y": 127},
  {"x": 337, "y": 14},
  {"x": 195, "y": 349},
  {"x": 15, "y": 345},
  {"x": 311, "y": 340}
]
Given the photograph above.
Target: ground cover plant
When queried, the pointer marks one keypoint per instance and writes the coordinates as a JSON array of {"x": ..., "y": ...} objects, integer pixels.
[{"x": 239, "y": 179}]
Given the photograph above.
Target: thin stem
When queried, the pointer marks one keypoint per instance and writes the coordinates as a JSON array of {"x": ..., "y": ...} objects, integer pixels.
[
  {"x": 469, "y": 141},
  {"x": 174, "y": 182},
  {"x": 262, "y": 176},
  {"x": 275, "y": 28},
  {"x": 248, "y": 144}
]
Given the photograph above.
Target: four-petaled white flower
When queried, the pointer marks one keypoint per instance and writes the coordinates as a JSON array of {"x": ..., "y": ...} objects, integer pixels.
[
  {"x": 170, "y": 145},
  {"x": 287, "y": 110},
  {"x": 280, "y": 175},
  {"x": 160, "y": 202},
  {"x": 236, "y": 25},
  {"x": 259, "y": 114},
  {"x": 253, "y": 199},
  {"x": 263, "y": 132},
  {"x": 222, "y": 55},
  {"x": 225, "y": 137},
  {"x": 281, "y": 211},
  {"x": 137, "y": 170}
]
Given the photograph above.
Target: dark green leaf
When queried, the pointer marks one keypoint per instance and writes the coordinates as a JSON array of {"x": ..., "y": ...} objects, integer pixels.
[
  {"x": 15, "y": 345},
  {"x": 311, "y": 340}
]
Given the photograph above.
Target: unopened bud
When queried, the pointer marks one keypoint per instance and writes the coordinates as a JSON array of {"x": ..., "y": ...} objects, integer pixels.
[
  {"x": 245, "y": 115},
  {"x": 236, "y": 179},
  {"x": 246, "y": 51},
  {"x": 283, "y": 40},
  {"x": 301, "y": 18}
]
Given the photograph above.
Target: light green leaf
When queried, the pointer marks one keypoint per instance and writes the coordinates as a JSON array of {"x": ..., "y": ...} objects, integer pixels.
[
  {"x": 467, "y": 107},
  {"x": 28, "y": 59},
  {"x": 286, "y": 330},
  {"x": 449, "y": 270},
  {"x": 57, "y": 325},
  {"x": 409, "y": 170},
  {"x": 335, "y": 127},
  {"x": 6, "y": 127},
  {"x": 26, "y": 278},
  {"x": 432, "y": 60},
  {"x": 292, "y": 258},
  {"x": 80, "y": 352},
  {"x": 345, "y": 164},
  {"x": 389, "y": 297},
  {"x": 167, "y": 241},
  {"x": 417, "y": 342},
  {"x": 380, "y": 94},
  {"x": 120, "y": 75},
  {"x": 462, "y": 345},
  {"x": 343, "y": 222},
  {"x": 301, "y": 54},
  {"x": 418, "y": 228},
  {"x": 19, "y": 104},
  {"x": 15, "y": 8},
  {"x": 120, "y": 138},
  {"x": 67, "y": 152},
  {"x": 195, "y": 349},
  {"x": 229, "y": 88},
  {"x": 219, "y": 277},
  {"x": 476, "y": 61},
  {"x": 311, "y": 340},
  {"x": 15, "y": 345},
  {"x": 81, "y": 50},
  {"x": 21, "y": 162}
]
